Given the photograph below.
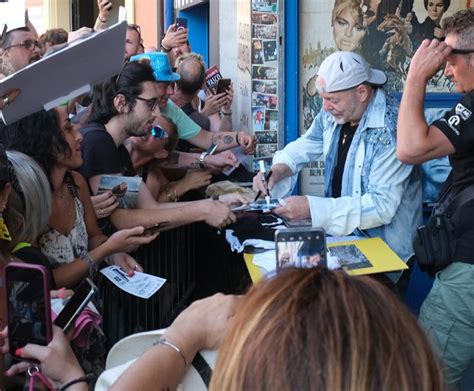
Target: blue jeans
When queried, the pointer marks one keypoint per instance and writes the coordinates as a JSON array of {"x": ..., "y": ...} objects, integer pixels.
[{"x": 448, "y": 317}]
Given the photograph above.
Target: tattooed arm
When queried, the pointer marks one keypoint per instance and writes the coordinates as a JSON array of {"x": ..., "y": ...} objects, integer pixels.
[
  {"x": 218, "y": 161},
  {"x": 224, "y": 140}
]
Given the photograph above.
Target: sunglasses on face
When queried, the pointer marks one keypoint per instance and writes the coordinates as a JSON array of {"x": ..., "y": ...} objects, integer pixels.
[
  {"x": 158, "y": 132},
  {"x": 151, "y": 103},
  {"x": 29, "y": 44}
]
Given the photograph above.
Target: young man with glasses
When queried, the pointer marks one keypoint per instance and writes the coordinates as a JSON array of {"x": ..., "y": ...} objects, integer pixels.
[
  {"x": 20, "y": 48},
  {"x": 123, "y": 107},
  {"x": 448, "y": 311}
]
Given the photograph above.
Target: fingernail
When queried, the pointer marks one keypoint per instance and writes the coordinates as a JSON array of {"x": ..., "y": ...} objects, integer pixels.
[
  {"x": 61, "y": 292},
  {"x": 130, "y": 273},
  {"x": 19, "y": 352}
]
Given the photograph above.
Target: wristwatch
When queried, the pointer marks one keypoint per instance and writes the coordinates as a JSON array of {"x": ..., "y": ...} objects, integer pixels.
[{"x": 201, "y": 159}]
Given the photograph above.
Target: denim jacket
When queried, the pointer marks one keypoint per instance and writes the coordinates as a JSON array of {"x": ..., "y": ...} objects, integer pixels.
[{"x": 380, "y": 195}]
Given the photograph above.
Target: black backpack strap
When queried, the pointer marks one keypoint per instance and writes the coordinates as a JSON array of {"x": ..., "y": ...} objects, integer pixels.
[
  {"x": 455, "y": 206},
  {"x": 203, "y": 368},
  {"x": 446, "y": 188}
]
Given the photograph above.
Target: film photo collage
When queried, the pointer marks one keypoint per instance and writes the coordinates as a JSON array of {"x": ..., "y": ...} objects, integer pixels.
[{"x": 265, "y": 76}]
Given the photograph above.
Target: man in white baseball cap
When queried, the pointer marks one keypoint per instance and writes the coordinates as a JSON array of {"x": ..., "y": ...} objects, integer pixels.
[
  {"x": 344, "y": 70},
  {"x": 367, "y": 190}
]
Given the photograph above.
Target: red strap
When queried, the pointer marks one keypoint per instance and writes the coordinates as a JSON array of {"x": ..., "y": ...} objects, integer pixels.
[{"x": 34, "y": 372}]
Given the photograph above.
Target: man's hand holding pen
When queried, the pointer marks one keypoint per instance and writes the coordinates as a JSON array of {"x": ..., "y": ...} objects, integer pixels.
[
  {"x": 277, "y": 173},
  {"x": 265, "y": 181}
]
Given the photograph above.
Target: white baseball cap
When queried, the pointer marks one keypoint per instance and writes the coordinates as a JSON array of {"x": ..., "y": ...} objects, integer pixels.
[{"x": 344, "y": 70}]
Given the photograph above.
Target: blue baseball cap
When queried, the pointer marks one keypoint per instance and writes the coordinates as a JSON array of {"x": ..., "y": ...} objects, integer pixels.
[{"x": 160, "y": 64}]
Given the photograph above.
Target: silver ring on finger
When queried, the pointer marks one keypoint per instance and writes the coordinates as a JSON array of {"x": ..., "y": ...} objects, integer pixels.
[{"x": 5, "y": 101}]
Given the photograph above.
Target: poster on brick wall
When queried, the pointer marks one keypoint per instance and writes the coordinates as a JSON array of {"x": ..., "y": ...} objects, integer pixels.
[
  {"x": 265, "y": 63},
  {"x": 385, "y": 32}
]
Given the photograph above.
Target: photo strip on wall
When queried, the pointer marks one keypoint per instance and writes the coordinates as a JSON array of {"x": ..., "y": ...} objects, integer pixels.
[{"x": 265, "y": 77}]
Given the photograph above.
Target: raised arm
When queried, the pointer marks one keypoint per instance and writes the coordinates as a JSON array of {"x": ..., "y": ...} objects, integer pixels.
[
  {"x": 418, "y": 142},
  {"x": 105, "y": 6}
]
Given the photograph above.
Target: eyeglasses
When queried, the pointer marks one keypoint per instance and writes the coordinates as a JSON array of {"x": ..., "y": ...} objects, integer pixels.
[
  {"x": 29, "y": 44},
  {"x": 462, "y": 51},
  {"x": 158, "y": 132},
  {"x": 151, "y": 103}
]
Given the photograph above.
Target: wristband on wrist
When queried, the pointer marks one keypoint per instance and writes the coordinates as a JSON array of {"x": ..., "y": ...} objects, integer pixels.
[
  {"x": 164, "y": 341},
  {"x": 237, "y": 138},
  {"x": 164, "y": 48},
  {"x": 102, "y": 21},
  {"x": 84, "y": 379},
  {"x": 226, "y": 113}
]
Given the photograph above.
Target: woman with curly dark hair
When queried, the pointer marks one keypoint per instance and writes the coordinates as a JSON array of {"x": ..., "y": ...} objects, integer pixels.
[{"x": 74, "y": 243}]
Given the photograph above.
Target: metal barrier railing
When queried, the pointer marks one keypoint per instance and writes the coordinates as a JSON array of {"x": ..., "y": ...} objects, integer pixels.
[
  {"x": 196, "y": 263},
  {"x": 172, "y": 255}
]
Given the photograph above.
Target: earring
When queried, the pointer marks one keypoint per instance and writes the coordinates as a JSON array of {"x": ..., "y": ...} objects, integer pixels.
[{"x": 4, "y": 233}]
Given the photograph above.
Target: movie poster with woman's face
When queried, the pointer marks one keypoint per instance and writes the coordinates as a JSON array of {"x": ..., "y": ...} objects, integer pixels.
[{"x": 385, "y": 32}]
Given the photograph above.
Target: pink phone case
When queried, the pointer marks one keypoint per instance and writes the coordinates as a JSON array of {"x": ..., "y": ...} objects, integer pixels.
[{"x": 31, "y": 268}]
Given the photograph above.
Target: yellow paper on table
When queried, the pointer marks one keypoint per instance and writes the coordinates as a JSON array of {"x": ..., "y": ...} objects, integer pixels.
[
  {"x": 358, "y": 257},
  {"x": 366, "y": 256}
]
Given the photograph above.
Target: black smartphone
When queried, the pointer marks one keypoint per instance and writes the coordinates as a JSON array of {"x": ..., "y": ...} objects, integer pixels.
[
  {"x": 223, "y": 85},
  {"x": 300, "y": 247},
  {"x": 181, "y": 23},
  {"x": 155, "y": 228},
  {"x": 77, "y": 302},
  {"x": 28, "y": 305}
]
